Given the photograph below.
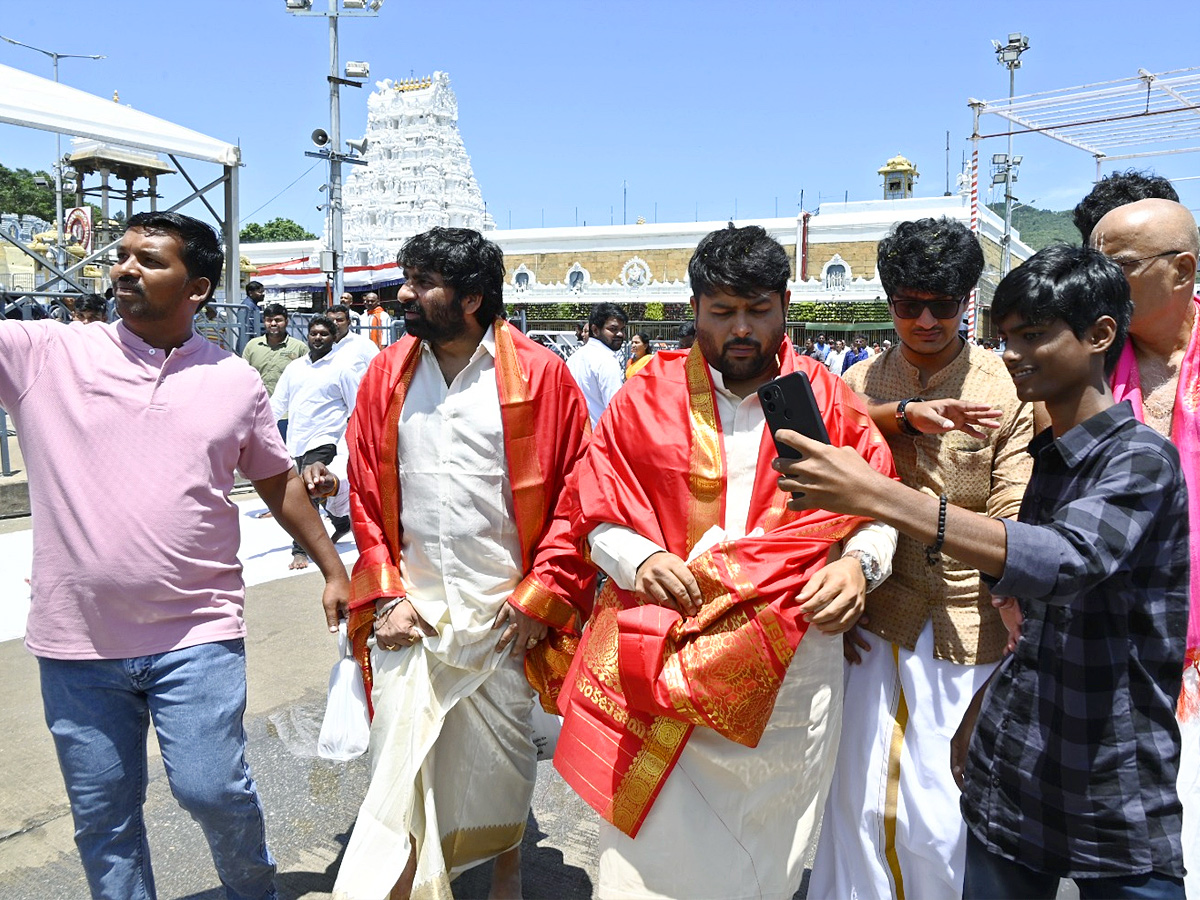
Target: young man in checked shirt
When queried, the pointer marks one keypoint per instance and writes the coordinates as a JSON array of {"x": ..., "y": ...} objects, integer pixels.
[{"x": 1073, "y": 743}]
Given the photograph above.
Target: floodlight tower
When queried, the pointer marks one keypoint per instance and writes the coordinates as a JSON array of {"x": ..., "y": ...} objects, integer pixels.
[
  {"x": 332, "y": 264},
  {"x": 1009, "y": 56},
  {"x": 59, "y": 225}
]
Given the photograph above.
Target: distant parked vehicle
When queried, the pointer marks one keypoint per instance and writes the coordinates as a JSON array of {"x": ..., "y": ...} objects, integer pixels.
[{"x": 563, "y": 343}]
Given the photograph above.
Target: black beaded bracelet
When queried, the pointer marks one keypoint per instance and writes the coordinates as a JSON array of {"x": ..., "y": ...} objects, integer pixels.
[
  {"x": 902, "y": 419},
  {"x": 934, "y": 554}
]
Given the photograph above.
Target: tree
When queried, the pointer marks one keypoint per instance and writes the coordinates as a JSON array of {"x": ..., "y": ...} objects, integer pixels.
[
  {"x": 21, "y": 196},
  {"x": 1041, "y": 227},
  {"x": 276, "y": 230}
]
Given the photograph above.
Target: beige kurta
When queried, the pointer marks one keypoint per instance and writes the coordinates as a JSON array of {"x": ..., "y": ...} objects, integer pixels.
[{"x": 986, "y": 475}]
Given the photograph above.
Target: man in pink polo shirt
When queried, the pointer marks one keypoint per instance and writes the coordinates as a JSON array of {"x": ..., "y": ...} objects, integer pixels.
[{"x": 137, "y": 588}]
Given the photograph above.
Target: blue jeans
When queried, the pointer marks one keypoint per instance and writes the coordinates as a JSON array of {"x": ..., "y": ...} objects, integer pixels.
[
  {"x": 98, "y": 711},
  {"x": 990, "y": 876}
]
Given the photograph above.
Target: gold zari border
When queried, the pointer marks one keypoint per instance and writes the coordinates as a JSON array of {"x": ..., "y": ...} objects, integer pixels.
[
  {"x": 706, "y": 479},
  {"x": 536, "y": 600},
  {"x": 464, "y": 846},
  {"x": 637, "y": 789},
  {"x": 892, "y": 793}
]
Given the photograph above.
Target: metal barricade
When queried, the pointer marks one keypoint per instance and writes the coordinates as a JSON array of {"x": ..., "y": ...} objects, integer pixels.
[{"x": 5, "y": 434}]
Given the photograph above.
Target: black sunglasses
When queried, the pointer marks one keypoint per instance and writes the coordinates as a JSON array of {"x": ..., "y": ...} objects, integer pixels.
[{"x": 912, "y": 309}]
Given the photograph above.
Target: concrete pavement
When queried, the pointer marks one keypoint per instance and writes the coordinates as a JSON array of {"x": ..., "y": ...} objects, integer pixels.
[
  {"x": 310, "y": 803},
  {"x": 14, "y": 488}
]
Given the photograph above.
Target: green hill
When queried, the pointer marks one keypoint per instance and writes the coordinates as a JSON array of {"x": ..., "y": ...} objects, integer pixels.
[{"x": 1041, "y": 227}]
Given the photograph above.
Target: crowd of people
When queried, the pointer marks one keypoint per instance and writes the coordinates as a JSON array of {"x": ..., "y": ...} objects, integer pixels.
[{"x": 951, "y": 652}]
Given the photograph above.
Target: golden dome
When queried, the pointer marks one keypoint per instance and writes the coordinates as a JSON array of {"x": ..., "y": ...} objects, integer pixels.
[{"x": 899, "y": 164}]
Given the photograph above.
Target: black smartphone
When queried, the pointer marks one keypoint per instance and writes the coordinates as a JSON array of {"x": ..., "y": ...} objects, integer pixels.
[{"x": 788, "y": 402}]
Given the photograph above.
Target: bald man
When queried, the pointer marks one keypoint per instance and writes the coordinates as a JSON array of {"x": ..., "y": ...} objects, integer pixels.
[
  {"x": 378, "y": 321},
  {"x": 1156, "y": 244}
]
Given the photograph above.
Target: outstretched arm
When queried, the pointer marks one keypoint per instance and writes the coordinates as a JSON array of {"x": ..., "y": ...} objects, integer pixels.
[
  {"x": 287, "y": 498},
  {"x": 934, "y": 416},
  {"x": 838, "y": 479}
]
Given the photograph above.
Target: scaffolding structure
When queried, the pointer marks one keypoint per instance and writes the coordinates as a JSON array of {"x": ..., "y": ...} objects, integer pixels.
[
  {"x": 28, "y": 101},
  {"x": 1132, "y": 118}
]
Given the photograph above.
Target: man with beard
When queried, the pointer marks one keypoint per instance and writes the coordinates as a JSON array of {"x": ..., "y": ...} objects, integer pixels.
[
  {"x": 595, "y": 366},
  {"x": 701, "y": 713},
  {"x": 460, "y": 445},
  {"x": 316, "y": 394}
]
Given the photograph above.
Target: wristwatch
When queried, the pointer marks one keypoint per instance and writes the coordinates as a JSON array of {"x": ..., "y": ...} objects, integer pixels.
[
  {"x": 872, "y": 571},
  {"x": 902, "y": 420}
]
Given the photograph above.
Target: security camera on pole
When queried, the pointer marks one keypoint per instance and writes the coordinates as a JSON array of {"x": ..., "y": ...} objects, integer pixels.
[{"x": 329, "y": 141}]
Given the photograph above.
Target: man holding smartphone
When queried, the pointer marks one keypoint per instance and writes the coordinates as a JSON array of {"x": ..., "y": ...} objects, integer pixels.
[
  {"x": 701, "y": 705},
  {"x": 930, "y": 635}
]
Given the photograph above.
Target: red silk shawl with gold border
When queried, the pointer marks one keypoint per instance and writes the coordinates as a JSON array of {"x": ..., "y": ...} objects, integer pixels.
[
  {"x": 644, "y": 676},
  {"x": 546, "y": 428}
]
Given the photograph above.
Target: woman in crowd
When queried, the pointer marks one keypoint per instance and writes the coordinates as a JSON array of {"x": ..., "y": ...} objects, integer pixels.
[{"x": 639, "y": 355}]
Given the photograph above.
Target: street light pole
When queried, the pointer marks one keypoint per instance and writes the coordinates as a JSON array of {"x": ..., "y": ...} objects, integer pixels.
[
  {"x": 333, "y": 153},
  {"x": 335, "y": 163},
  {"x": 59, "y": 225},
  {"x": 1009, "y": 56}
]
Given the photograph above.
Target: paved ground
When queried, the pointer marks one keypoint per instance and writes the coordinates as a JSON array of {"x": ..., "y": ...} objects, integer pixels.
[
  {"x": 14, "y": 488},
  {"x": 310, "y": 803}
]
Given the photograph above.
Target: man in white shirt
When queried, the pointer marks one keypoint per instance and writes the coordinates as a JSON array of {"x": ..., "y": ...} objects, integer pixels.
[
  {"x": 702, "y": 715},
  {"x": 595, "y": 366},
  {"x": 316, "y": 394},
  {"x": 351, "y": 343},
  {"x": 836, "y": 356},
  {"x": 465, "y": 585}
]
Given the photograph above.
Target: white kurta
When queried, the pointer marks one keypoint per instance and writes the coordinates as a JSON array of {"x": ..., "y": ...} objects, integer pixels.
[
  {"x": 453, "y": 762},
  {"x": 734, "y": 821}
]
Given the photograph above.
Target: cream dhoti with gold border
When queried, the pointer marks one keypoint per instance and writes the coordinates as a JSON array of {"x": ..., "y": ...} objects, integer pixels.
[
  {"x": 452, "y": 756},
  {"x": 453, "y": 764},
  {"x": 733, "y": 815},
  {"x": 892, "y": 825}
]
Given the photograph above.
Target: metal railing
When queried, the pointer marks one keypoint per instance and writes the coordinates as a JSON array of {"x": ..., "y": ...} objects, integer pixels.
[{"x": 5, "y": 434}]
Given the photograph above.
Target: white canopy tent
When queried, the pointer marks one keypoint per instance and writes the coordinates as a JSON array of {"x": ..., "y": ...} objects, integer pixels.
[{"x": 32, "y": 102}]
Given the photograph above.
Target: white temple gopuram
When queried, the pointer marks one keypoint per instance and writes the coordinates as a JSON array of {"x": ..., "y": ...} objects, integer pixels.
[
  {"x": 418, "y": 173},
  {"x": 419, "y": 176}
]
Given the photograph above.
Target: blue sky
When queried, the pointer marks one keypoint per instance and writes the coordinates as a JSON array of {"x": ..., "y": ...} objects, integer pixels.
[{"x": 701, "y": 108}]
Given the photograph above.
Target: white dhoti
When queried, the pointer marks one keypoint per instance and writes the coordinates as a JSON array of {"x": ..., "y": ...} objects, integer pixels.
[
  {"x": 734, "y": 821},
  {"x": 1188, "y": 786},
  {"x": 892, "y": 826},
  {"x": 452, "y": 763}
]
